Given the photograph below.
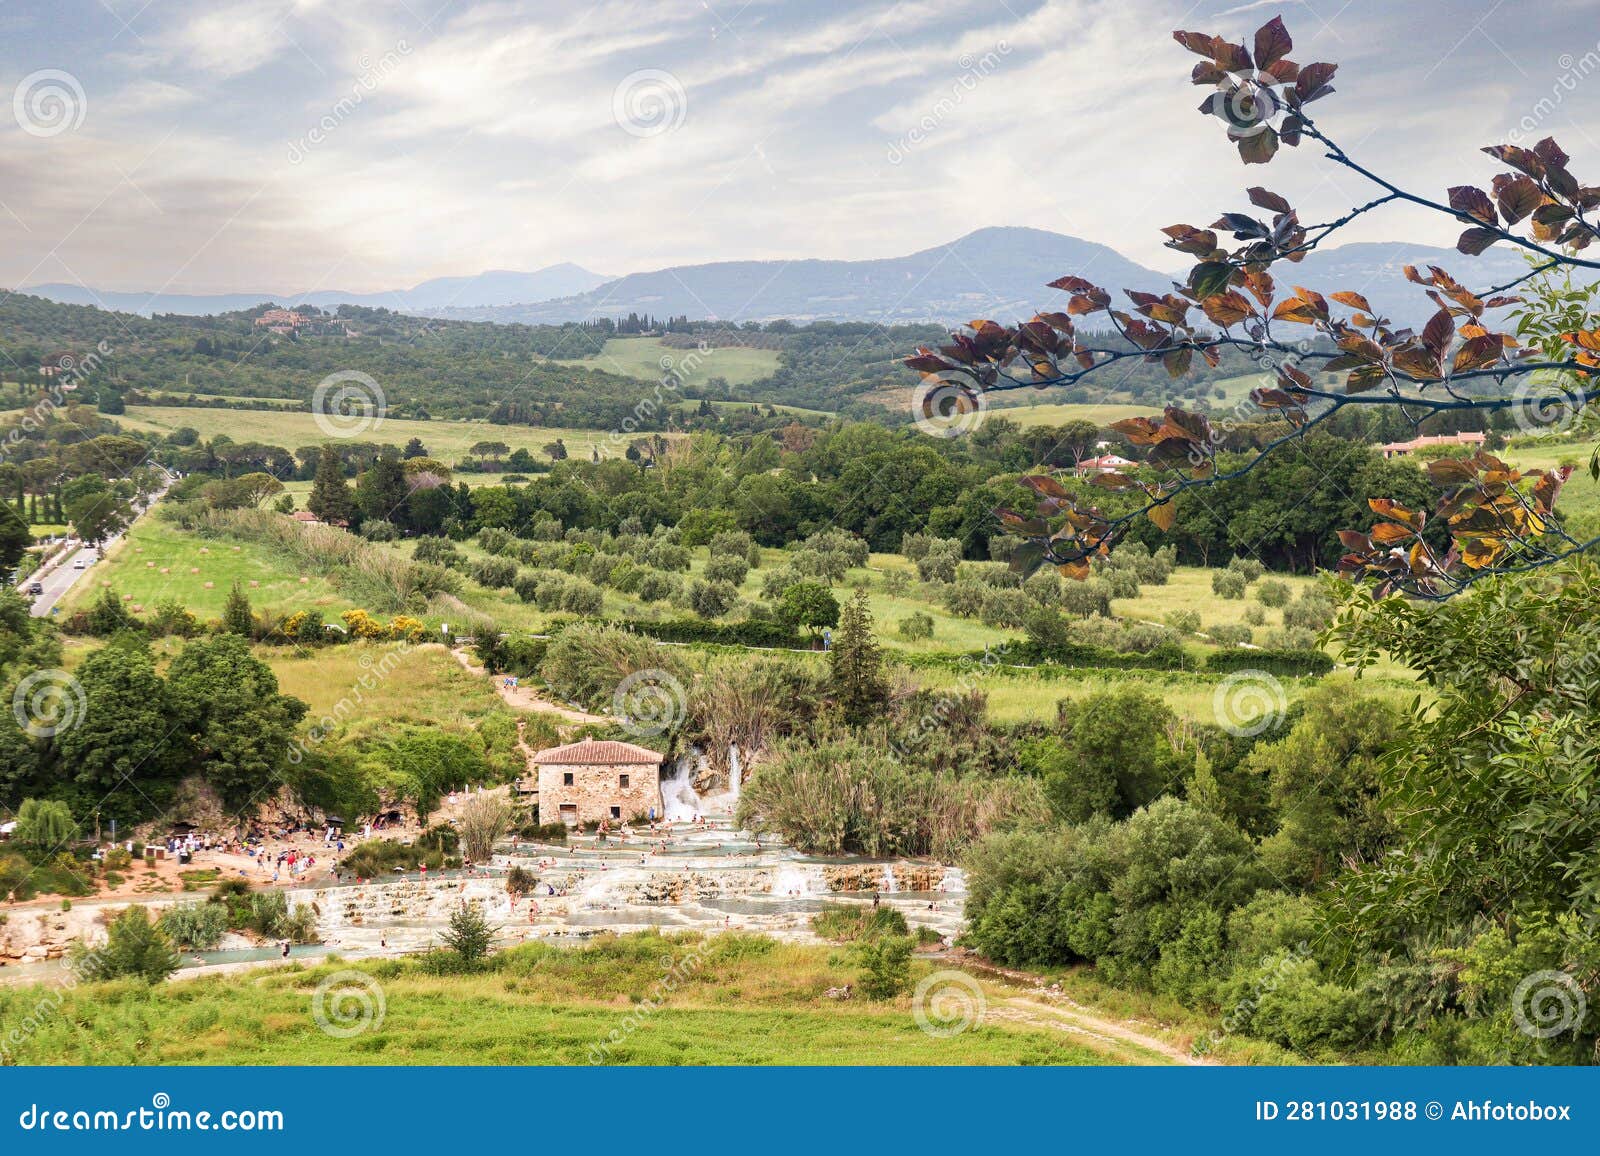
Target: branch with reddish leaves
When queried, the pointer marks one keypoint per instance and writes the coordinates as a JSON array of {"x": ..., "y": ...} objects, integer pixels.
[{"x": 1499, "y": 519}]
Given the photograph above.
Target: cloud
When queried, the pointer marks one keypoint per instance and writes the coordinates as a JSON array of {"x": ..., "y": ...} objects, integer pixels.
[{"x": 861, "y": 128}]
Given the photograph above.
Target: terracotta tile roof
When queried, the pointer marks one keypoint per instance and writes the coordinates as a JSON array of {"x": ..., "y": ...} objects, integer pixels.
[{"x": 590, "y": 752}]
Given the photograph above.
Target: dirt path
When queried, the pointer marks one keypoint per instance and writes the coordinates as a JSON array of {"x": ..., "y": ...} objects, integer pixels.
[
  {"x": 1042, "y": 1008},
  {"x": 525, "y": 699}
]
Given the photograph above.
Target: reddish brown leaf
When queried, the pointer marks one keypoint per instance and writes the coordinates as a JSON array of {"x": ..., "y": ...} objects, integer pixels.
[
  {"x": 1272, "y": 43},
  {"x": 1473, "y": 202},
  {"x": 1263, "y": 199}
]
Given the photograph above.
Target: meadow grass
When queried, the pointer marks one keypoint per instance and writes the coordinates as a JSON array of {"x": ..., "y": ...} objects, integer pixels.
[
  {"x": 640, "y": 357},
  {"x": 446, "y": 440},
  {"x": 734, "y": 1000},
  {"x": 1189, "y": 588},
  {"x": 134, "y": 566},
  {"x": 418, "y": 684}
]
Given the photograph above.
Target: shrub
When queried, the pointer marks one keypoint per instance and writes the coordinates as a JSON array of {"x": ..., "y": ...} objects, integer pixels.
[
  {"x": 438, "y": 551},
  {"x": 885, "y": 966},
  {"x": 1044, "y": 587},
  {"x": 1087, "y": 599},
  {"x": 730, "y": 568},
  {"x": 1296, "y": 663},
  {"x": 1230, "y": 635},
  {"x": 963, "y": 599},
  {"x": 1273, "y": 593},
  {"x": 1249, "y": 567},
  {"x": 1312, "y": 611},
  {"x": 710, "y": 599},
  {"x": 655, "y": 586},
  {"x": 848, "y": 924},
  {"x": 1228, "y": 584},
  {"x": 895, "y": 582},
  {"x": 379, "y": 530},
  {"x": 1003, "y": 608},
  {"x": 1184, "y": 621},
  {"x": 519, "y": 880},
  {"x": 1255, "y": 615},
  {"x": 134, "y": 947},
  {"x": 195, "y": 926},
  {"x": 494, "y": 572},
  {"x": 493, "y": 539},
  {"x": 940, "y": 560},
  {"x": 469, "y": 936},
  {"x": 916, "y": 626},
  {"x": 664, "y": 555}
]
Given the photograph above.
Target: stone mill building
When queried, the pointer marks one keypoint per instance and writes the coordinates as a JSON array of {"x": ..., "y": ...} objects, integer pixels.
[{"x": 598, "y": 780}]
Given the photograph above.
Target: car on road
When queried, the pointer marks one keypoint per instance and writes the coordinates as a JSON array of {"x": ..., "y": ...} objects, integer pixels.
[
  {"x": 35, "y": 588},
  {"x": 78, "y": 563}
]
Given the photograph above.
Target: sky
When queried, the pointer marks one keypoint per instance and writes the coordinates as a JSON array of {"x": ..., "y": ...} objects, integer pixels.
[{"x": 208, "y": 146}]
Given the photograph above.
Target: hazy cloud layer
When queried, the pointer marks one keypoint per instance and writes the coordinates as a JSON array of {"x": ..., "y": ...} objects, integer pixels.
[{"x": 302, "y": 144}]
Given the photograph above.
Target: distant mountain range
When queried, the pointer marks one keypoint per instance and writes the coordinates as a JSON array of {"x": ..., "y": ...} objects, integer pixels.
[
  {"x": 496, "y": 287},
  {"x": 995, "y": 272}
]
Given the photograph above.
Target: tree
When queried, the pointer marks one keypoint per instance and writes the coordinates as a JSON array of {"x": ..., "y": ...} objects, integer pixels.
[
  {"x": 259, "y": 486},
  {"x": 414, "y": 449},
  {"x": 1494, "y": 518},
  {"x": 330, "y": 498},
  {"x": 469, "y": 935},
  {"x": 239, "y": 726},
  {"x": 123, "y": 732},
  {"x": 856, "y": 664},
  {"x": 557, "y": 450},
  {"x": 134, "y": 946},
  {"x": 809, "y": 604},
  {"x": 489, "y": 449},
  {"x": 99, "y": 515},
  {"x": 382, "y": 490},
  {"x": 481, "y": 823},
  {"x": 429, "y": 762},
  {"x": 45, "y": 826},
  {"x": 236, "y": 616}
]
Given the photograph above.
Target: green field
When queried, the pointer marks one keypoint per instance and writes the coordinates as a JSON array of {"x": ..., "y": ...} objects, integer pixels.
[
  {"x": 642, "y": 357},
  {"x": 735, "y": 1000},
  {"x": 199, "y": 573},
  {"x": 448, "y": 441}
]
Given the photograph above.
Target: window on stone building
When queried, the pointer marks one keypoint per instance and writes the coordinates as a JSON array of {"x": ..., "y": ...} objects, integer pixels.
[
  {"x": 566, "y": 779},
  {"x": 616, "y": 812},
  {"x": 622, "y": 781}
]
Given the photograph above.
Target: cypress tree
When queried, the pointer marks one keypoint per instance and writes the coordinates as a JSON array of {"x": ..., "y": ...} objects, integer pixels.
[
  {"x": 856, "y": 664},
  {"x": 330, "y": 497}
]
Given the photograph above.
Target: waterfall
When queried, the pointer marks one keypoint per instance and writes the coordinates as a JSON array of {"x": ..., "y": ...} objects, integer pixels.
[
  {"x": 679, "y": 802},
  {"x": 889, "y": 883},
  {"x": 735, "y": 774},
  {"x": 792, "y": 880}
]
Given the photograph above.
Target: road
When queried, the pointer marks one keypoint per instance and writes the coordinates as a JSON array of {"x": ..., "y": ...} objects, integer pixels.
[
  {"x": 58, "y": 582},
  {"x": 64, "y": 577}
]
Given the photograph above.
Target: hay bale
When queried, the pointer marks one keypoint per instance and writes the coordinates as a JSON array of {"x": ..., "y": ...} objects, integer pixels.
[
  {"x": 254, "y": 584},
  {"x": 209, "y": 585}
]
